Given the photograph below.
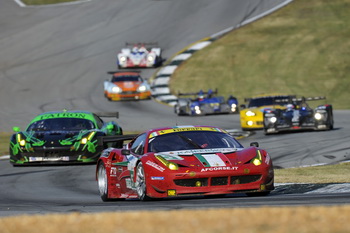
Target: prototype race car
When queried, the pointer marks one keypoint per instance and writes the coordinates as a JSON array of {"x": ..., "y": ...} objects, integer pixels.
[
  {"x": 183, "y": 160},
  {"x": 127, "y": 85},
  {"x": 298, "y": 115},
  {"x": 139, "y": 56},
  {"x": 252, "y": 115},
  {"x": 205, "y": 103},
  {"x": 62, "y": 137}
]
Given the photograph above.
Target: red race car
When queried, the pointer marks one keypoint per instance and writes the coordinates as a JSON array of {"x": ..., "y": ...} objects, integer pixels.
[{"x": 183, "y": 160}]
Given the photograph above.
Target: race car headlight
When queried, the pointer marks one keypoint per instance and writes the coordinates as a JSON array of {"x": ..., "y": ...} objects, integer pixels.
[
  {"x": 21, "y": 141},
  {"x": 273, "y": 119},
  {"x": 250, "y": 113},
  {"x": 170, "y": 165},
  {"x": 318, "y": 116},
  {"x": 233, "y": 107},
  {"x": 197, "y": 109},
  {"x": 116, "y": 89},
  {"x": 84, "y": 140},
  {"x": 150, "y": 58},
  {"x": 173, "y": 166},
  {"x": 142, "y": 88},
  {"x": 122, "y": 59},
  {"x": 257, "y": 160},
  {"x": 250, "y": 123}
]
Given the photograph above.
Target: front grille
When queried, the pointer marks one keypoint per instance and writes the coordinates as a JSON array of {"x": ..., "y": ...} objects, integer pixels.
[
  {"x": 217, "y": 181},
  {"x": 192, "y": 182},
  {"x": 244, "y": 179},
  {"x": 129, "y": 92}
]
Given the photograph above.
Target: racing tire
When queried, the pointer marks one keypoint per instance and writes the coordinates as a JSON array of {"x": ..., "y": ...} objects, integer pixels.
[
  {"x": 140, "y": 183},
  {"x": 331, "y": 122},
  {"x": 102, "y": 181},
  {"x": 266, "y": 133}
]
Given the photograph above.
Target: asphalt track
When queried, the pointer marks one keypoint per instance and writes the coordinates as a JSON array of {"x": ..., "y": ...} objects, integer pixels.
[{"x": 56, "y": 58}]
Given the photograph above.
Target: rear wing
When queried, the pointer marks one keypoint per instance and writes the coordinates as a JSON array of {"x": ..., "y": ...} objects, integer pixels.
[
  {"x": 115, "y": 138},
  {"x": 107, "y": 114},
  {"x": 285, "y": 97},
  {"x": 197, "y": 93},
  {"x": 301, "y": 99},
  {"x": 141, "y": 43},
  {"x": 124, "y": 71}
]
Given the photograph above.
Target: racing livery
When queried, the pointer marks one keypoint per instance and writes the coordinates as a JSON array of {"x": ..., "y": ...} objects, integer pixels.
[
  {"x": 205, "y": 103},
  {"x": 298, "y": 115},
  {"x": 62, "y": 137},
  {"x": 252, "y": 115},
  {"x": 128, "y": 85},
  {"x": 139, "y": 56},
  {"x": 183, "y": 160}
]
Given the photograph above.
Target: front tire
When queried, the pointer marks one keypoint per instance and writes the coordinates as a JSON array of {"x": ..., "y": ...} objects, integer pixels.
[
  {"x": 140, "y": 183},
  {"x": 102, "y": 181}
]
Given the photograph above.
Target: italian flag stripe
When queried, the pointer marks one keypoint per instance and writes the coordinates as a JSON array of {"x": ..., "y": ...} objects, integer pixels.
[{"x": 202, "y": 160}]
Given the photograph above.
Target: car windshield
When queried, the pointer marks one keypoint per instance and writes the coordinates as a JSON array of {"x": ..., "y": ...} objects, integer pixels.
[
  {"x": 61, "y": 124},
  {"x": 126, "y": 78},
  {"x": 192, "y": 140},
  {"x": 271, "y": 100}
]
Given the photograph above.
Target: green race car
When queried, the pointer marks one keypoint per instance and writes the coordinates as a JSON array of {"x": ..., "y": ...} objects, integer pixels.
[{"x": 62, "y": 137}]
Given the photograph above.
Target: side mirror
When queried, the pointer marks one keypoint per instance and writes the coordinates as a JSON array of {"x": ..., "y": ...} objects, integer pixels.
[
  {"x": 242, "y": 106},
  {"x": 125, "y": 151},
  {"x": 16, "y": 129},
  {"x": 256, "y": 144}
]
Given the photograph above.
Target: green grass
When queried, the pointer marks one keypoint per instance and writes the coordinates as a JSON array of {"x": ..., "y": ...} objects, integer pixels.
[
  {"x": 338, "y": 173},
  {"x": 301, "y": 49},
  {"x": 45, "y": 2}
]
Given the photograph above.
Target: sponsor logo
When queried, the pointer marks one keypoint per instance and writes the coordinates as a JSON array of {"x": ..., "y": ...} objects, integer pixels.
[
  {"x": 154, "y": 165},
  {"x": 212, "y": 169},
  {"x": 157, "y": 178},
  {"x": 63, "y": 115}
]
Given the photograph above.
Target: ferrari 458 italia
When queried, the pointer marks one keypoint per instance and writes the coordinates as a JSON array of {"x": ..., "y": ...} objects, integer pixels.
[{"x": 183, "y": 161}]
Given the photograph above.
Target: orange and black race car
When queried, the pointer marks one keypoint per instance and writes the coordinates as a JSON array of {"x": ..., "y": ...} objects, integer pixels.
[{"x": 126, "y": 85}]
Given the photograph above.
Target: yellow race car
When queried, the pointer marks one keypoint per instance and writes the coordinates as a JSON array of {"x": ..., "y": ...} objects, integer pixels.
[{"x": 252, "y": 114}]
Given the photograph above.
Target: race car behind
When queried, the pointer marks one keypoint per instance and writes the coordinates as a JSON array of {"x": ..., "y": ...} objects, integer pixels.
[
  {"x": 298, "y": 115},
  {"x": 62, "y": 137},
  {"x": 126, "y": 85},
  {"x": 205, "y": 103},
  {"x": 252, "y": 114},
  {"x": 141, "y": 55}
]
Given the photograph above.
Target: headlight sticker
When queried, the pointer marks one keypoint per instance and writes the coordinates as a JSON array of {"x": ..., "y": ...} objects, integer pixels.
[{"x": 156, "y": 166}]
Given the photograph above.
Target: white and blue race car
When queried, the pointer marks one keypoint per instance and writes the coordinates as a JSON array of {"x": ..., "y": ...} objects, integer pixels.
[{"x": 141, "y": 55}]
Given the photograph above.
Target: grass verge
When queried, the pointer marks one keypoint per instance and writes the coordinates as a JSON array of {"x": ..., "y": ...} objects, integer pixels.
[
  {"x": 301, "y": 49},
  {"x": 332, "y": 219}
]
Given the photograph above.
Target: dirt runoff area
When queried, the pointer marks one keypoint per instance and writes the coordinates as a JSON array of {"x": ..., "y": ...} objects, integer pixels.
[{"x": 313, "y": 219}]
